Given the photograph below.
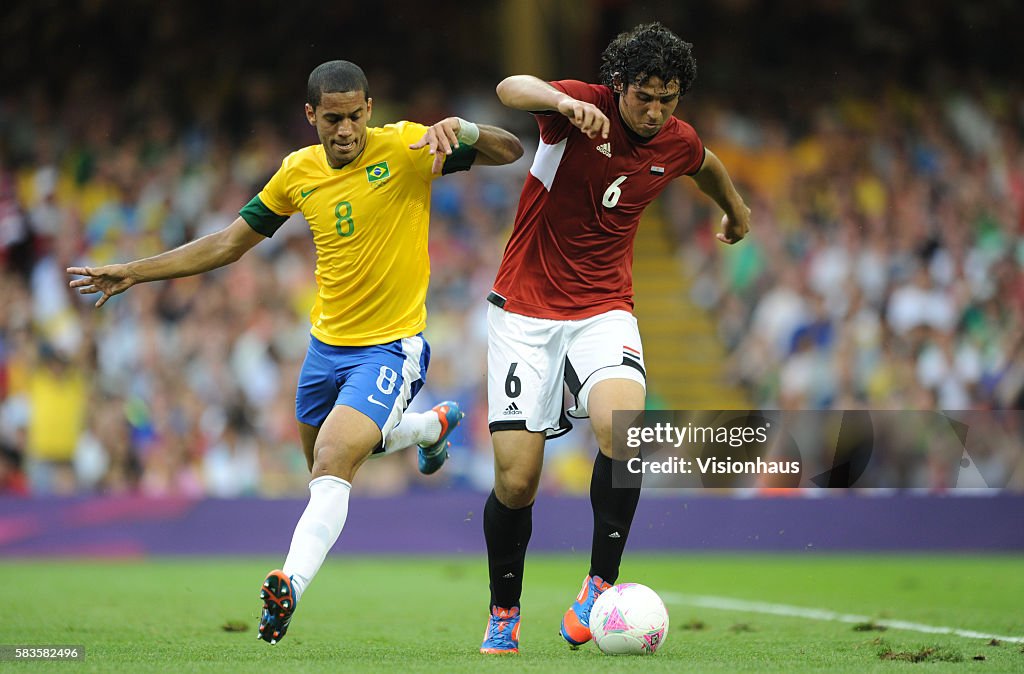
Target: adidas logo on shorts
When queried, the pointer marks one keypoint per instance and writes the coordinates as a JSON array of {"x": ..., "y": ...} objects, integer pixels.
[{"x": 512, "y": 409}]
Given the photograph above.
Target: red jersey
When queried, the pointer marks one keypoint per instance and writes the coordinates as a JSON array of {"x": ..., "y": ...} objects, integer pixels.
[{"x": 570, "y": 255}]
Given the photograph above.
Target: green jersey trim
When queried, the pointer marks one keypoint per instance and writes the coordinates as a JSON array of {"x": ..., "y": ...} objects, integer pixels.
[{"x": 260, "y": 218}]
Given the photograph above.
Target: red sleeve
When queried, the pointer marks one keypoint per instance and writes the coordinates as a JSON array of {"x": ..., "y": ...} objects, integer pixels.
[
  {"x": 553, "y": 126},
  {"x": 693, "y": 149},
  {"x": 591, "y": 93}
]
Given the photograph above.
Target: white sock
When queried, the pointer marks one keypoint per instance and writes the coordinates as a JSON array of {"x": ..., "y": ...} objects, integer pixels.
[
  {"x": 422, "y": 428},
  {"x": 317, "y": 531}
]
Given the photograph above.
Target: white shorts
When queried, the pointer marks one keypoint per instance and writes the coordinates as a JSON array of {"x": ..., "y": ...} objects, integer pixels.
[{"x": 529, "y": 360}]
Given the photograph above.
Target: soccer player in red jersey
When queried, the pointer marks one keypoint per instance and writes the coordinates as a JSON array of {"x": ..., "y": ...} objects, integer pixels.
[{"x": 561, "y": 306}]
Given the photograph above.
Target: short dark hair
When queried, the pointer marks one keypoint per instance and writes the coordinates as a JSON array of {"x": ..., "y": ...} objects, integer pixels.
[
  {"x": 649, "y": 50},
  {"x": 335, "y": 76}
]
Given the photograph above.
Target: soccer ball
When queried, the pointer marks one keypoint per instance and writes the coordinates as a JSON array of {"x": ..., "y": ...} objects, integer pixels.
[{"x": 629, "y": 619}]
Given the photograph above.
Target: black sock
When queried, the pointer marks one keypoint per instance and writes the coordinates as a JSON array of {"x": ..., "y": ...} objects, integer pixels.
[
  {"x": 507, "y": 533},
  {"x": 613, "y": 515}
]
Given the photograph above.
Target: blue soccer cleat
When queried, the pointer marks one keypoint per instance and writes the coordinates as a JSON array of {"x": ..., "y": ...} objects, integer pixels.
[
  {"x": 576, "y": 621},
  {"x": 502, "y": 635},
  {"x": 433, "y": 456},
  {"x": 278, "y": 607}
]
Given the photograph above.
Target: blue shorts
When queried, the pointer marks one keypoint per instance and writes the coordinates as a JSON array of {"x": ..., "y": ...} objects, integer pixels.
[{"x": 380, "y": 381}]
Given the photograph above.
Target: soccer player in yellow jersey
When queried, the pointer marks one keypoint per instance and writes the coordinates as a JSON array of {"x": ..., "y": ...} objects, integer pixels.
[{"x": 365, "y": 192}]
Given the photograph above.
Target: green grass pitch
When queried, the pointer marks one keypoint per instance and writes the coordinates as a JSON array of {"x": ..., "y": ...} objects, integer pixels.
[{"x": 427, "y": 614}]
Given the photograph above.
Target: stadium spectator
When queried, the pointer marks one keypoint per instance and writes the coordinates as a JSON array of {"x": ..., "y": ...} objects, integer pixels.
[{"x": 57, "y": 397}]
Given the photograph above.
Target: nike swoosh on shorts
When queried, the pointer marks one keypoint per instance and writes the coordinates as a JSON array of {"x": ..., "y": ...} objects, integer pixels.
[{"x": 375, "y": 401}]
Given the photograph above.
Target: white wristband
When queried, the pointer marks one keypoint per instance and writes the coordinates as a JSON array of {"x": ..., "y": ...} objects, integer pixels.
[{"x": 469, "y": 132}]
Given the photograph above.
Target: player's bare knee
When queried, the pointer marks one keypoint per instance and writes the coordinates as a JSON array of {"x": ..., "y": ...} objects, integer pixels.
[
  {"x": 337, "y": 461},
  {"x": 606, "y": 398},
  {"x": 516, "y": 491},
  {"x": 516, "y": 498},
  {"x": 602, "y": 428}
]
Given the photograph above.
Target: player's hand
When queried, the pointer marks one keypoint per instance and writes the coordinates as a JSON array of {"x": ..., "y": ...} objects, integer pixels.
[
  {"x": 586, "y": 117},
  {"x": 110, "y": 280},
  {"x": 734, "y": 229},
  {"x": 441, "y": 138}
]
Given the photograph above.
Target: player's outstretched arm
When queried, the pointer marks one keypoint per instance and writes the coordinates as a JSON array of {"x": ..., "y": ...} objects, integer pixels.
[
  {"x": 714, "y": 181},
  {"x": 209, "y": 252},
  {"x": 526, "y": 92},
  {"x": 494, "y": 146}
]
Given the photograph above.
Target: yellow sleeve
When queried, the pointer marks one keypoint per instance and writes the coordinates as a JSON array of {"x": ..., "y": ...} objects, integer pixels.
[
  {"x": 269, "y": 209},
  {"x": 422, "y": 160},
  {"x": 460, "y": 159},
  {"x": 275, "y": 194}
]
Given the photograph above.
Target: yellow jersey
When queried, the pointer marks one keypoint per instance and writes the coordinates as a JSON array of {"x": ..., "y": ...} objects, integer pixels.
[
  {"x": 59, "y": 404},
  {"x": 370, "y": 221}
]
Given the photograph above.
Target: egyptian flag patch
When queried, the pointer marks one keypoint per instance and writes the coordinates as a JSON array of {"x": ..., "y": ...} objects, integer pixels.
[{"x": 658, "y": 170}]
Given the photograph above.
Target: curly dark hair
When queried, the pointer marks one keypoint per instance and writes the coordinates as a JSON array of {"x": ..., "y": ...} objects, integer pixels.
[{"x": 649, "y": 50}]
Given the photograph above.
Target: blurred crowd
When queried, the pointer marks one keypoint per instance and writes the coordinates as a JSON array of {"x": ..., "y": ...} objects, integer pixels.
[
  {"x": 886, "y": 265},
  {"x": 884, "y": 270}
]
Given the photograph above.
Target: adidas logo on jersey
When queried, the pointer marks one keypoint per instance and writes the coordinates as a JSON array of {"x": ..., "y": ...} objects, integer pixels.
[
  {"x": 605, "y": 149},
  {"x": 512, "y": 409}
]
